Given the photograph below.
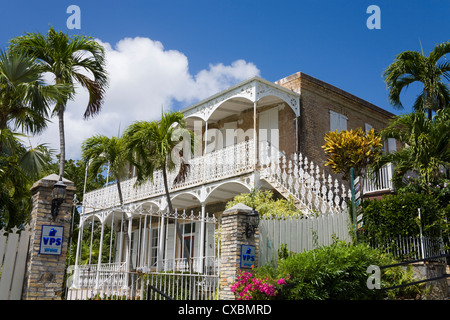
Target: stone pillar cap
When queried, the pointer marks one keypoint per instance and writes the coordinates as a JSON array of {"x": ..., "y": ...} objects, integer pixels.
[
  {"x": 240, "y": 207},
  {"x": 51, "y": 180}
]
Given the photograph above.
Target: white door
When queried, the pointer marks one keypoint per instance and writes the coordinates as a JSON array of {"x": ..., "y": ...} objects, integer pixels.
[{"x": 268, "y": 130}]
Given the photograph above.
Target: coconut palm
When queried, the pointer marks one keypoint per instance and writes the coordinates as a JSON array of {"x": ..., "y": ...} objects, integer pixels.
[
  {"x": 24, "y": 99},
  {"x": 68, "y": 59},
  {"x": 410, "y": 67},
  {"x": 153, "y": 145}
]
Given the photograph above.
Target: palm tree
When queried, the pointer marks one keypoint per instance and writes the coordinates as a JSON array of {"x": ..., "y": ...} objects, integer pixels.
[
  {"x": 151, "y": 146},
  {"x": 24, "y": 99},
  {"x": 99, "y": 151},
  {"x": 410, "y": 67},
  {"x": 427, "y": 145},
  {"x": 68, "y": 58}
]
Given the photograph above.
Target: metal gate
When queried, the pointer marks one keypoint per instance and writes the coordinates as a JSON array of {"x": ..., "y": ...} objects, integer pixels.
[{"x": 154, "y": 257}]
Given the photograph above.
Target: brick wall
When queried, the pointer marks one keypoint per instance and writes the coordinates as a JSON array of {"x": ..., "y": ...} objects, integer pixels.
[{"x": 316, "y": 100}]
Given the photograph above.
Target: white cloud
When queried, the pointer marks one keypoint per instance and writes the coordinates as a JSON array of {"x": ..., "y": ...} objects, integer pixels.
[{"x": 143, "y": 77}]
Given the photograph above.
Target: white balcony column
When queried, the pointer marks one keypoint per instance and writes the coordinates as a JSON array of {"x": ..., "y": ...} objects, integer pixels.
[
  {"x": 160, "y": 254},
  {"x": 99, "y": 262},
  {"x": 202, "y": 239},
  {"x": 255, "y": 137},
  {"x": 119, "y": 257},
  {"x": 206, "y": 136},
  {"x": 76, "y": 276},
  {"x": 92, "y": 239},
  {"x": 128, "y": 255},
  {"x": 143, "y": 245}
]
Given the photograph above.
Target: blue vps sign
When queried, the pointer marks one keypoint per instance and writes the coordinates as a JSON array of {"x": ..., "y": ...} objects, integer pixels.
[
  {"x": 51, "y": 240},
  {"x": 248, "y": 256}
]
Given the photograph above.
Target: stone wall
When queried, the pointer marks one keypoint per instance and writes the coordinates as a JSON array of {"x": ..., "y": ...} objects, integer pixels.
[{"x": 438, "y": 289}]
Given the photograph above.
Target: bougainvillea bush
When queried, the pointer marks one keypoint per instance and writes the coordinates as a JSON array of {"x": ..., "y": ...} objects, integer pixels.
[{"x": 250, "y": 286}]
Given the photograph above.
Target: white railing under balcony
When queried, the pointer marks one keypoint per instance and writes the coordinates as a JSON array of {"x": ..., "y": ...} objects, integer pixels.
[
  {"x": 383, "y": 181},
  {"x": 220, "y": 164}
]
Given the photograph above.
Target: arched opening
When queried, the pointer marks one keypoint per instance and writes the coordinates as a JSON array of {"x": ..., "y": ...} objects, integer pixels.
[{"x": 220, "y": 195}]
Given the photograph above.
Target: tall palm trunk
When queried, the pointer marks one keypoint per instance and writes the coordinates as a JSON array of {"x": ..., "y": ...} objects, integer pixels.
[
  {"x": 62, "y": 143},
  {"x": 178, "y": 231}
]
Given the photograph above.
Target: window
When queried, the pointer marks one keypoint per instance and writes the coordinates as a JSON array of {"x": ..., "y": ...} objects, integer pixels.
[
  {"x": 337, "y": 121},
  {"x": 189, "y": 227},
  {"x": 188, "y": 232},
  {"x": 154, "y": 246}
]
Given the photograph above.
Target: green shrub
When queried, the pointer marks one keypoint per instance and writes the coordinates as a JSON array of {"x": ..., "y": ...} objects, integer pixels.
[
  {"x": 397, "y": 215},
  {"x": 338, "y": 271},
  {"x": 266, "y": 204}
]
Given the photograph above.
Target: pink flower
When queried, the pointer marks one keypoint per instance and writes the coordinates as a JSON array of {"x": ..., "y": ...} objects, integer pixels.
[{"x": 281, "y": 281}]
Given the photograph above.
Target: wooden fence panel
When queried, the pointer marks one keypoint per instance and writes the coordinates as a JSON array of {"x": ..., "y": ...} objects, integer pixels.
[
  {"x": 13, "y": 259},
  {"x": 300, "y": 234}
]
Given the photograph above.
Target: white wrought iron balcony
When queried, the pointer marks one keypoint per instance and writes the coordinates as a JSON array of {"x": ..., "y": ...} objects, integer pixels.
[
  {"x": 220, "y": 164},
  {"x": 383, "y": 183}
]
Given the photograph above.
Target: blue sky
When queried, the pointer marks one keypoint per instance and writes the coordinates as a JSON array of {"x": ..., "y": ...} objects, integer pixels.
[{"x": 224, "y": 42}]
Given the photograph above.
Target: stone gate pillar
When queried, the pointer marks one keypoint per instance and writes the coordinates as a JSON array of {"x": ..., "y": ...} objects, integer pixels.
[
  {"x": 44, "y": 275},
  {"x": 233, "y": 237}
]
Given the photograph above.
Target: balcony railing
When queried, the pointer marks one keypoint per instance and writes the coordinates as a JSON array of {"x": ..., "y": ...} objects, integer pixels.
[
  {"x": 220, "y": 164},
  {"x": 382, "y": 183}
]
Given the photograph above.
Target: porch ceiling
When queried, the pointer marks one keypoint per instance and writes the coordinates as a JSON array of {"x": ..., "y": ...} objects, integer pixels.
[
  {"x": 222, "y": 193},
  {"x": 241, "y": 97}
]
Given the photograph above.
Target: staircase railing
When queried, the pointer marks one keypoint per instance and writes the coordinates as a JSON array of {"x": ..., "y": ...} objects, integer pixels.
[{"x": 312, "y": 190}]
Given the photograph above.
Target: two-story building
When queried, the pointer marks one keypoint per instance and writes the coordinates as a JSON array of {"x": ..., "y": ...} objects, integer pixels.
[{"x": 256, "y": 134}]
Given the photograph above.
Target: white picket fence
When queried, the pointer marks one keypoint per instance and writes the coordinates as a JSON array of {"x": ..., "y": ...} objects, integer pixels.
[
  {"x": 301, "y": 234},
  {"x": 13, "y": 258}
]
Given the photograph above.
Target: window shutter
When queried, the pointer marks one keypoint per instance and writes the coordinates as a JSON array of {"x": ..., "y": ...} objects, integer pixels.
[
  {"x": 392, "y": 145},
  {"x": 337, "y": 121}
]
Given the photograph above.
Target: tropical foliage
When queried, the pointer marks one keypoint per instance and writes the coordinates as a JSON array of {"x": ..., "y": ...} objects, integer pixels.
[
  {"x": 398, "y": 216},
  {"x": 158, "y": 145},
  {"x": 421, "y": 174},
  {"x": 335, "y": 272},
  {"x": 20, "y": 166},
  {"x": 430, "y": 71},
  {"x": 426, "y": 146},
  {"x": 351, "y": 149},
  {"x": 266, "y": 204},
  {"x": 24, "y": 100},
  {"x": 99, "y": 151},
  {"x": 68, "y": 59}
]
